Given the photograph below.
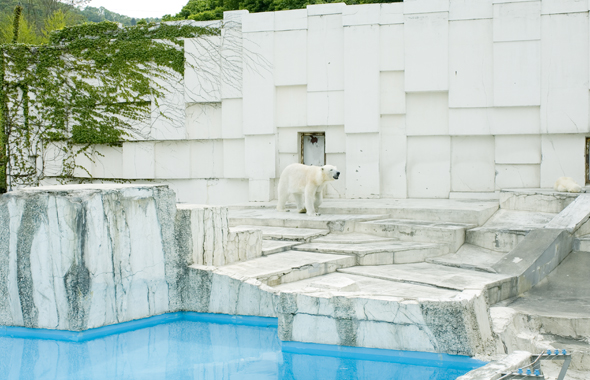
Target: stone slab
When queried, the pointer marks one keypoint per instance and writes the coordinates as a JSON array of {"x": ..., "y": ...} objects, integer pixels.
[
  {"x": 472, "y": 211},
  {"x": 382, "y": 253},
  {"x": 470, "y": 256},
  {"x": 287, "y": 233},
  {"x": 270, "y": 247},
  {"x": 288, "y": 266},
  {"x": 273, "y": 218},
  {"x": 452, "y": 234},
  {"x": 352, "y": 238},
  {"x": 573, "y": 216},
  {"x": 431, "y": 274},
  {"x": 368, "y": 287},
  {"x": 535, "y": 257}
]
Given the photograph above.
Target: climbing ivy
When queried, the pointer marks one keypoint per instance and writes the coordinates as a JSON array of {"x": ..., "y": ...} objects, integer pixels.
[{"x": 91, "y": 84}]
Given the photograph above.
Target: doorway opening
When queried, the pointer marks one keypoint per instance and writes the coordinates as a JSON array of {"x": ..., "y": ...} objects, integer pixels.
[
  {"x": 587, "y": 160},
  {"x": 313, "y": 148}
]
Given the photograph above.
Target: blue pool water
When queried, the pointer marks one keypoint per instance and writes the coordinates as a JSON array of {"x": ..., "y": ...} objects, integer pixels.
[{"x": 204, "y": 346}]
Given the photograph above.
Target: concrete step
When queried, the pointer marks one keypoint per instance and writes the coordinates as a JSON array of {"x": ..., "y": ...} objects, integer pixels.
[
  {"x": 274, "y": 218},
  {"x": 270, "y": 247},
  {"x": 470, "y": 211},
  {"x": 503, "y": 231},
  {"x": 438, "y": 276},
  {"x": 452, "y": 234},
  {"x": 287, "y": 233},
  {"x": 535, "y": 200},
  {"x": 365, "y": 286},
  {"x": 582, "y": 243},
  {"x": 380, "y": 253},
  {"x": 352, "y": 238},
  {"x": 288, "y": 266},
  {"x": 470, "y": 256}
]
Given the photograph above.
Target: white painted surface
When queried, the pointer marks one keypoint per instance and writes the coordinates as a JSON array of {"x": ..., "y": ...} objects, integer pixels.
[
  {"x": 139, "y": 160},
  {"x": 207, "y": 159},
  {"x": 391, "y": 51},
  {"x": 517, "y": 21},
  {"x": 393, "y": 96},
  {"x": 563, "y": 156},
  {"x": 234, "y": 165},
  {"x": 203, "y": 121},
  {"x": 393, "y": 157},
  {"x": 173, "y": 159},
  {"x": 231, "y": 119},
  {"x": 260, "y": 156},
  {"x": 470, "y": 121},
  {"x": 515, "y": 176}
]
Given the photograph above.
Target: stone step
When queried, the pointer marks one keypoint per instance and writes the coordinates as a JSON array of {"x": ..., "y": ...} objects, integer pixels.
[
  {"x": 380, "y": 253},
  {"x": 287, "y": 233},
  {"x": 582, "y": 243},
  {"x": 270, "y": 247},
  {"x": 535, "y": 200},
  {"x": 352, "y": 238},
  {"x": 452, "y": 234},
  {"x": 503, "y": 231},
  {"x": 274, "y": 218},
  {"x": 288, "y": 266},
  {"x": 470, "y": 256},
  {"x": 496, "y": 285}
]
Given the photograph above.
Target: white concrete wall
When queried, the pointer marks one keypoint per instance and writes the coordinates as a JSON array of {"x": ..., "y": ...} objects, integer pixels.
[{"x": 417, "y": 99}]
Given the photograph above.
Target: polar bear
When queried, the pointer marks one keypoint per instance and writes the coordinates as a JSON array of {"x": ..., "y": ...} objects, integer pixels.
[
  {"x": 567, "y": 184},
  {"x": 306, "y": 184}
]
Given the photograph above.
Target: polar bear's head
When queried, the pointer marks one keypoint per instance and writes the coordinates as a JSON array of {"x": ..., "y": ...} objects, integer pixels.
[{"x": 330, "y": 172}]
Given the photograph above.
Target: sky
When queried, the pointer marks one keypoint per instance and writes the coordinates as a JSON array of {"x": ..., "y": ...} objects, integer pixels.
[{"x": 141, "y": 8}]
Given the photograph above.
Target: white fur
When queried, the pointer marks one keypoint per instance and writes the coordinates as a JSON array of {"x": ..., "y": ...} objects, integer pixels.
[
  {"x": 306, "y": 184},
  {"x": 567, "y": 184}
]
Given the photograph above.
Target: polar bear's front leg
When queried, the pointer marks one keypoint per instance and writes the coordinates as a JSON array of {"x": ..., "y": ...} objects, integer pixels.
[
  {"x": 310, "y": 192},
  {"x": 319, "y": 198}
]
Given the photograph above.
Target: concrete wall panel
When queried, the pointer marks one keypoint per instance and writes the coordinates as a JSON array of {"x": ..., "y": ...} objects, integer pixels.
[
  {"x": 392, "y": 47},
  {"x": 563, "y": 155},
  {"x": 202, "y": 76},
  {"x": 364, "y": 14},
  {"x": 391, "y": 13},
  {"x": 108, "y": 162},
  {"x": 337, "y": 189},
  {"x": 139, "y": 160},
  {"x": 362, "y": 165},
  {"x": 288, "y": 140},
  {"x": 517, "y": 73},
  {"x": 325, "y": 108},
  {"x": 518, "y": 21},
  {"x": 427, "y": 113},
  {"x": 231, "y": 119},
  {"x": 173, "y": 159},
  {"x": 392, "y": 94},
  {"x": 469, "y": 121},
  {"x": 470, "y": 9},
  {"x": 393, "y": 157},
  {"x": 203, "y": 121},
  {"x": 325, "y": 53},
  {"x": 207, "y": 159},
  {"x": 518, "y": 149},
  {"x": 234, "y": 162},
  {"x": 426, "y": 47},
  {"x": 471, "y": 167},
  {"x": 335, "y": 139},
  {"x": 291, "y": 103},
  {"x": 515, "y": 176},
  {"x": 260, "y": 156},
  {"x": 429, "y": 166},
  {"x": 295, "y": 19},
  {"x": 515, "y": 120},
  {"x": 290, "y": 62},
  {"x": 361, "y": 78}
]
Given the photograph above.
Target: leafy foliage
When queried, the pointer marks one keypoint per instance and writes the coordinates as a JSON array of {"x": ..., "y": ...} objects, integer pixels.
[
  {"x": 202, "y": 10},
  {"x": 90, "y": 84}
]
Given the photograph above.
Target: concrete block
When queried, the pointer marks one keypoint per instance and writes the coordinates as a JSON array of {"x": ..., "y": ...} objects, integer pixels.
[
  {"x": 260, "y": 190},
  {"x": 288, "y": 140},
  {"x": 325, "y": 9},
  {"x": 470, "y": 63},
  {"x": 207, "y": 159},
  {"x": 518, "y": 149},
  {"x": 325, "y": 53},
  {"x": 471, "y": 167},
  {"x": 325, "y": 108},
  {"x": 393, "y": 96},
  {"x": 173, "y": 159},
  {"x": 563, "y": 6},
  {"x": 433, "y": 122},
  {"x": 84, "y": 163},
  {"x": 515, "y": 120},
  {"x": 361, "y": 75},
  {"x": 203, "y": 121},
  {"x": 286, "y": 159},
  {"x": 293, "y": 19},
  {"x": 108, "y": 162},
  {"x": 517, "y": 73},
  {"x": 391, "y": 13},
  {"x": 231, "y": 119},
  {"x": 234, "y": 163},
  {"x": 470, "y": 9},
  {"x": 519, "y": 21},
  {"x": 564, "y": 64},
  {"x": 232, "y": 59},
  {"x": 425, "y": 6},
  {"x": 393, "y": 157},
  {"x": 291, "y": 104},
  {"x": 391, "y": 52},
  {"x": 259, "y": 90},
  {"x": 139, "y": 160},
  {"x": 202, "y": 69},
  {"x": 517, "y": 176},
  {"x": 470, "y": 121},
  {"x": 260, "y": 156},
  {"x": 258, "y": 22},
  {"x": 335, "y": 139},
  {"x": 290, "y": 62},
  {"x": 362, "y": 165},
  {"x": 364, "y": 14},
  {"x": 563, "y": 156},
  {"x": 429, "y": 167},
  {"x": 426, "y": 48},
  {"x": 337, "y": 189}
]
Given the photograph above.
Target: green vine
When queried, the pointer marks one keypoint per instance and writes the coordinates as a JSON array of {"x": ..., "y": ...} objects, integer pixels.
[{"x": 91, "y": 84}]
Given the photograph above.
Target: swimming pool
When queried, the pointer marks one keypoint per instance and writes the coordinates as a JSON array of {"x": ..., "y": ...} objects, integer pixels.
[{"x": 205, "y": 346}]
